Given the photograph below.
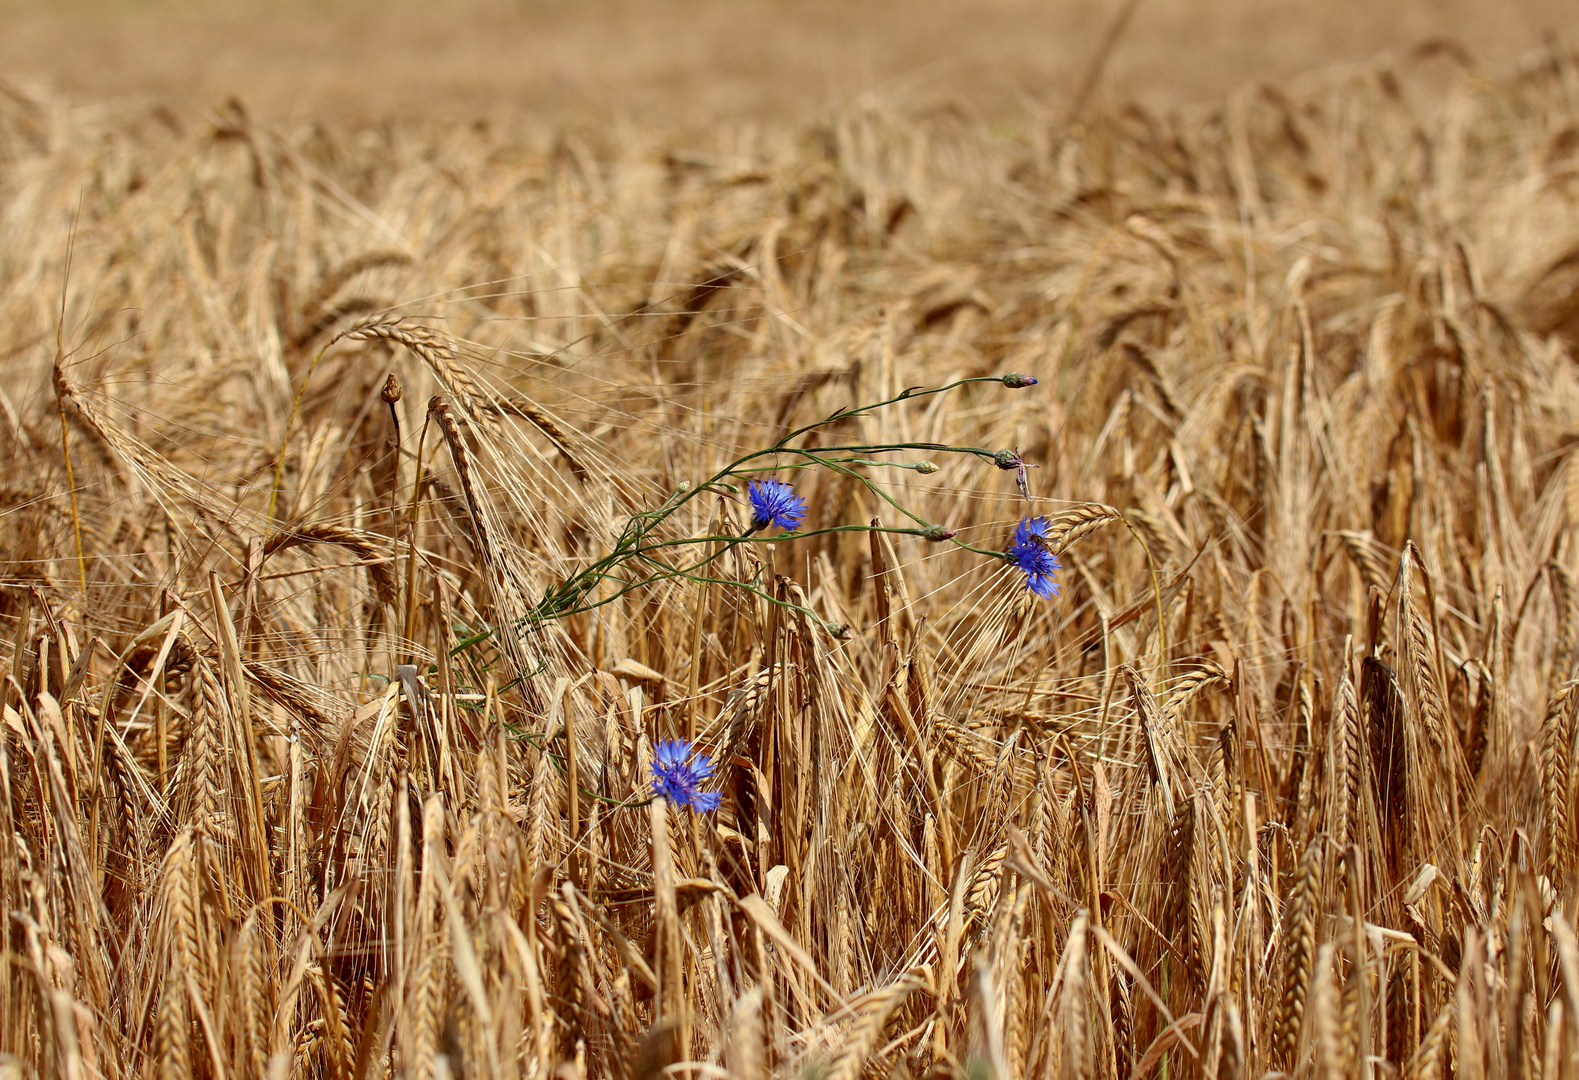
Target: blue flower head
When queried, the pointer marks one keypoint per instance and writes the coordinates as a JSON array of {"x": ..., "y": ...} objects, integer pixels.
[
  {"x": 774, "y": 502},
  {"x": 677, "y": 775},
  {"x": 1030, "y": 553}
]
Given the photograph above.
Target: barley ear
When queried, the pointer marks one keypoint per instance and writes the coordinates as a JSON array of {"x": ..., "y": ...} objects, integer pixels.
[{"x": 1299, "y": 953}]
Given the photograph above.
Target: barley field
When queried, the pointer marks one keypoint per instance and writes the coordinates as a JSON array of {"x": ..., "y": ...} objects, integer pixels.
[{"x": 385, "y": 506}]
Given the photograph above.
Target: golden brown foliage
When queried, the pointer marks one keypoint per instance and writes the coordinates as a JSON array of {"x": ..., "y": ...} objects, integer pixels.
[{"x": 1283, "y": 779}]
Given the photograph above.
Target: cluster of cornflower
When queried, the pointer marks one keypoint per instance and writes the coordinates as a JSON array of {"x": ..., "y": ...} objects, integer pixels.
[{"x": 679, "y": 770}]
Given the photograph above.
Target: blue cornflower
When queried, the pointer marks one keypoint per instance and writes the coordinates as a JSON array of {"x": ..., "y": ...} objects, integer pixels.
[
  {"x": 774, "y": 502},
  {"x": 1030, "y": 553},
  {"x": 678, "y": 776}
]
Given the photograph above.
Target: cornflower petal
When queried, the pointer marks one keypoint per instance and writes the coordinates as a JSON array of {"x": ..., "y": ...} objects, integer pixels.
[
  {"x": 774, "y": 502},
  {"x": 678, "y": 774},
  {"x": 1030, "y": 553}
]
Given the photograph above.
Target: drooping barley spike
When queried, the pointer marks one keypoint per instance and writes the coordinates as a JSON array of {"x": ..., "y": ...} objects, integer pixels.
[
  {"x": 254, "y": 995},
  {"x": 1344, "y": 772},
  {"x": 1325, "y": 1016},
  {"x": 1073, "y": 525},
  {"x": 1299, "y": 952},
  {"x": 1224, "y": 764},
  {"x": 1123, "y": 1020},
  {"x": 371, "y": 548},
  {"x": 111, "y": 445},
  {"x": 124, "y": 781},
  {"x": 172, "y": 1036},
  {"x": 1383, "y": 704},
  {"x": 872, "y": 1016},
  {"x": 1487, "y": 722},
  {"x": 1565, "y": 597},
  {"x": 964, "y": 745},
  {"x": 985, "y": 883},
  {"x": 123, "y": 453},
  {"x": 1301, "y": 769},
  {"x": 1557, "y": 731},
  {"x": 1351, "y": 1027},
  {"x": 1362, "y": 550},
  {"x": 420, "y": 1036},
  {"x": 179, "y": 900},
  {"x": 1158, "y": 535},
  {"x": 504, "y": 583},
  {"x": 314, "y": 315},
  {"x": 546, "y": 424},
  {"x": 172, "y": 1031},
  {"x": 1201, "y": 884},
  {"x": 1075, "y": 1010},
  {"x": 1160, "y": 749},
  {"x": 428, "y": 346},
  {"x": 1184, "y": 689},
  {"x": 1418, "y": 654},
  {"x": 202, "y": 750},
  {"x": 1428, "y": 1060}
]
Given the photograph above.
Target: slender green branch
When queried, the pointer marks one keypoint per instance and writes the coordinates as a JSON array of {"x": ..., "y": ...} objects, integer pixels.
[{"x": 637, "y": 545}]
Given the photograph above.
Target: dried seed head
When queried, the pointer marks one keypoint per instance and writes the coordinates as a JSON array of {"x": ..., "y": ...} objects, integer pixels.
[
  {"x": 391, "y": 391},
  {"x": 1011, "y": 460}
]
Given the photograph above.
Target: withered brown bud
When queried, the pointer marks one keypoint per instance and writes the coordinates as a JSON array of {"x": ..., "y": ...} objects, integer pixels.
[{"x": 391, "y": 391}]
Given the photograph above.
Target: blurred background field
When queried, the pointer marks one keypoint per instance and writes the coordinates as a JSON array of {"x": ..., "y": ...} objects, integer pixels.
[{"x": 695, "y": 61}]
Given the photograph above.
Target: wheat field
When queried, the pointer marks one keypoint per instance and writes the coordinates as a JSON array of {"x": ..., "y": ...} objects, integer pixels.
[{"x": 373, "y": 504}]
